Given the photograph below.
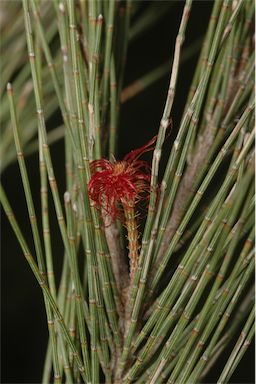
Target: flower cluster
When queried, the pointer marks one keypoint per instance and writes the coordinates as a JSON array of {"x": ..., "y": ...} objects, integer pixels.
[{"x": 120, "y": 183}]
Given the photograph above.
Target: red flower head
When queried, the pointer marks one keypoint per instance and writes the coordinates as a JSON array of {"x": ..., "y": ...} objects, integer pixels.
[{"x": 120, "y": 183}]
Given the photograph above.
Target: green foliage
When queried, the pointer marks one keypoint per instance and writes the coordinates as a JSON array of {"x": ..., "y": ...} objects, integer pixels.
[{"x": 192, "y": 292}]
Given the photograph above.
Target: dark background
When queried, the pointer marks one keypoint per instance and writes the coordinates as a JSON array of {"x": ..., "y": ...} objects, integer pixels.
[{"x": 23, "y": 320}]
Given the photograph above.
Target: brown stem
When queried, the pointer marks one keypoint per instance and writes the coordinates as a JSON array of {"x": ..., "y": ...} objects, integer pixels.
[
  {"x": 133, "y": 236},
  {"x": 133, "y": 246}
]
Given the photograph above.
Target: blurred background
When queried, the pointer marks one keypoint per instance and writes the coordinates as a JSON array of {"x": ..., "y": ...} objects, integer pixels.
[{"x": 23, "y": 320}]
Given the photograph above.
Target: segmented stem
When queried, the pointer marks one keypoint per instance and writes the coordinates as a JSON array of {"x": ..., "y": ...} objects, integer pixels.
[{"x": 133, "y": 237}]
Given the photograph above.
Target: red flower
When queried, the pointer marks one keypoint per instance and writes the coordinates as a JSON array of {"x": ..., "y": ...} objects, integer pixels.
[{"x": 120, "y": 183}]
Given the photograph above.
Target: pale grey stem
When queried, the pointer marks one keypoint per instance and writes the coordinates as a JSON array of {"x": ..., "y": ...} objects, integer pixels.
[
  {"x": 120, "y": 268},
  {"x": 200, "y": 155}
]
